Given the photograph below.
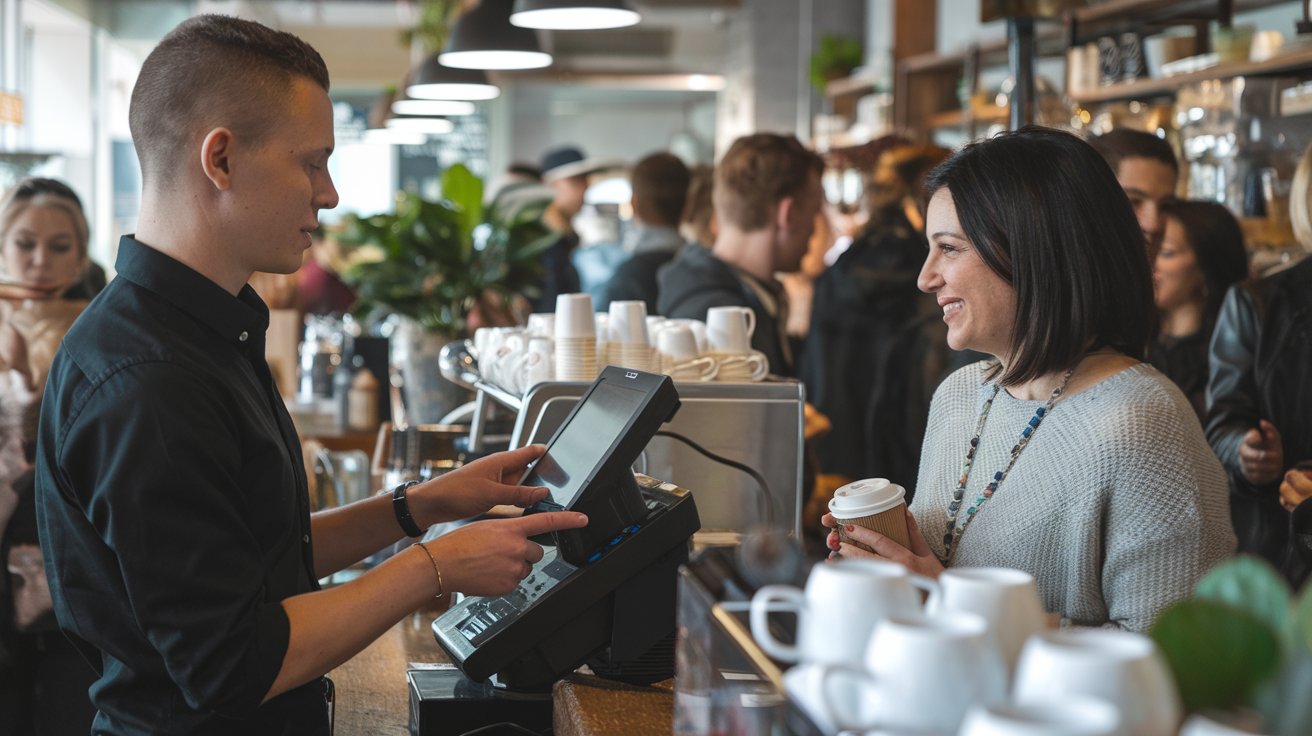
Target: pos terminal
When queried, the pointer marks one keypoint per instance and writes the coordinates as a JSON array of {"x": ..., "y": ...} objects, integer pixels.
[{"x": 604, "y": 594}]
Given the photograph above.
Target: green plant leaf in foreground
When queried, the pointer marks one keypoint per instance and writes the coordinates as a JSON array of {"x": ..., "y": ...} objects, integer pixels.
[
  {"x": 1251, "y": 584},
  {"x": 1218, "y": 653}
]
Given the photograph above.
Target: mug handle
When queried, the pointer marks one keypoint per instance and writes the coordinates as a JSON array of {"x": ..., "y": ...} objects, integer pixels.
[
  {"x": 761, "y": 363},
  {"x": 932, "y": 588},
  {"x": 765, "y": 602},
  {"x": 751, "y": 321},
  {"x": 838, "y": 714},
  {"x": 707, "y": 365}
]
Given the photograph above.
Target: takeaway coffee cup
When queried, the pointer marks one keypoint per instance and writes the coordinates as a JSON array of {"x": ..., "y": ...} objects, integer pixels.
[{"x": 874, "y": 503}]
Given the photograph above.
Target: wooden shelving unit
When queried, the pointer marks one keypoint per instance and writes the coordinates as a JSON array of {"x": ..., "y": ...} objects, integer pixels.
[{"x": 1292, "y": 63}]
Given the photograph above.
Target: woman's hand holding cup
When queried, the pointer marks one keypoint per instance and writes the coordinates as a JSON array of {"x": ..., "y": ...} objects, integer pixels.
[{"x": 919, "y": 559}]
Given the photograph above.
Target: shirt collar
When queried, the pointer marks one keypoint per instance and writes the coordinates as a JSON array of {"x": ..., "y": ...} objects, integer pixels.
[
  {"x": 236, "y": 319},
  {"x": 652, "y": 238}
]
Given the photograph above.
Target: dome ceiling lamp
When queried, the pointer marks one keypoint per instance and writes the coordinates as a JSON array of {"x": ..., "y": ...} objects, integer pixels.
[
  {"x": 483, "y": 38},
  {"x": 432, "y": 108},
  {"x": 436, "y": 81},
  {"x": 573, "y": 15}
]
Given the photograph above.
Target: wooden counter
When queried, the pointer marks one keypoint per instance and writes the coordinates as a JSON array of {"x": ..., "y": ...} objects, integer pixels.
[{"x": 372, "y": 696}]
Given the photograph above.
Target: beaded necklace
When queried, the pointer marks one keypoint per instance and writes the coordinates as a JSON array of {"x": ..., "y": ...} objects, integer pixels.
[{"x": 952, "y": 535}]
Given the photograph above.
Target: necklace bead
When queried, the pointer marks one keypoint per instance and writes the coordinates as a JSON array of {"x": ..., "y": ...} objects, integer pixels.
[{"x": 952, "y": 534}]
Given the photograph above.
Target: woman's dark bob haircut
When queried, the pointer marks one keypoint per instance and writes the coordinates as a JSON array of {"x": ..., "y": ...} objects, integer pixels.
[{"x": 1045, "y": 212}]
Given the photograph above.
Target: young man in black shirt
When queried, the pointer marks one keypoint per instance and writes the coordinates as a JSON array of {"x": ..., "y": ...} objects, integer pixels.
[{"x": 172, "y": 499}]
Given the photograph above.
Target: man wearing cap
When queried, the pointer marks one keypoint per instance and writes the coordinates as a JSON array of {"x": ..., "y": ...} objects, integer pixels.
[
  {"x": 767, "y": 195},
  {"x": 566, "y": 171}
]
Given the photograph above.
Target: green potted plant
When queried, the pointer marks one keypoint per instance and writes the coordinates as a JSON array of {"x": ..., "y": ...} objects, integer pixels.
[
  {"x": 1241, "y": 650},
  {"x": 433, "y": 267},
  {"x": 834, "y": 57}
]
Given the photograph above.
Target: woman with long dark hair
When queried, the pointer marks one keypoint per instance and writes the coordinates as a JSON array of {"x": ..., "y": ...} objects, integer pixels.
[
  {"x": 1201, "y": 256},
  {"x": 1064, "y": 455}
]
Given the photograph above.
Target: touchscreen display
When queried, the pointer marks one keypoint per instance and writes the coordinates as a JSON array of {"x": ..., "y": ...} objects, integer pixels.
[{"x": 582, "y": 444}]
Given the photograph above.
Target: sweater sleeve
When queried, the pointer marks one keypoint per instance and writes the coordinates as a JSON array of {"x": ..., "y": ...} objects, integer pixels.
[{"x": 1166, "y": 518}]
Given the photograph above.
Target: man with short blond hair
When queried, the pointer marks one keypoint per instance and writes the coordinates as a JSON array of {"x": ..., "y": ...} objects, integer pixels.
[{"x": 767, "y": 195}]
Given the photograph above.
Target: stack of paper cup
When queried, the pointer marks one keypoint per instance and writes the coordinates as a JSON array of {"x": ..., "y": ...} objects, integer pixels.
[
  {"x": 602, "y": 322},
  {"x": 630, "y": 347},
  {"x": 576, "y": 338},
  {"x": 875, "y": 504}
]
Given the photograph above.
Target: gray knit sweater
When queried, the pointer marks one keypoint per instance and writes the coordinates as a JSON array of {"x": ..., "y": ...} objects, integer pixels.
[{"x": 1117, "y": 506}]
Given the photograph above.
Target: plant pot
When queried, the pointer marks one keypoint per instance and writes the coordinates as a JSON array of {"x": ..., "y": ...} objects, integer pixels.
[{"x": 413, "y": 352}]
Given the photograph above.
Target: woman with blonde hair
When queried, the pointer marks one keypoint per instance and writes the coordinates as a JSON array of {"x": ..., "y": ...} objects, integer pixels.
[
  {"x": 1259, "y": 417},
  {"x": 43, "y": 251}
]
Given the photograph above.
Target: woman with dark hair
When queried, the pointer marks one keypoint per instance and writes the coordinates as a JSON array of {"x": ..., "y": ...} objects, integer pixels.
[
  {"x": 1064, "y": 455},
  {"x": 1201, "y": 256}
]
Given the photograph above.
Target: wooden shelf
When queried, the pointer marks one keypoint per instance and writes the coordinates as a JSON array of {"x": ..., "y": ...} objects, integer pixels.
[
  {"x": 957, "y": 118},
  {"x": 849, "y": 86},
  {"x": 1117, "y": 16},
  {"x": 1298, "y": 61}
]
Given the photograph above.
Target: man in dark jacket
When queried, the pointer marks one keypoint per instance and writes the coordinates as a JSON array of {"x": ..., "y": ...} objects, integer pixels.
[
  {"x": 660, "y": 187},
  {"x": 767, "y": 195}
]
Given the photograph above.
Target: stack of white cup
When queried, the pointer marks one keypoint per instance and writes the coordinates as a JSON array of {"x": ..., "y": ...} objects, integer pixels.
[
  {"x": 576, "y": 338},
  {"x": 602, "y": 323},
  {"x": 630, "y": 347},
  {"x": 677, "y": 351},
  {"x": 729, "y": 339}
]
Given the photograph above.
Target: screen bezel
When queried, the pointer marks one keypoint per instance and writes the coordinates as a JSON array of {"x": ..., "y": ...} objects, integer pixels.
[{"x": 604, "y": 463}]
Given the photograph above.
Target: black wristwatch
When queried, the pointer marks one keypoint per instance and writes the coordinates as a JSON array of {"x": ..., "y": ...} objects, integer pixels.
[{"x": 401, "y": 508}]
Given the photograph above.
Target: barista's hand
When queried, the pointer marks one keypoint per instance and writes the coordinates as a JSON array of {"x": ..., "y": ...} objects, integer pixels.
[
  {"x": 13, "y": 354},
  {"x": 491, "y": 557},
  {"x": 1261, "y": 456},
  {"x": 920, "y": 559},
  {"x": 19, "y": 292},
  {"x": 473, "y": 489},
  {"x": 1296, "y": 488}
]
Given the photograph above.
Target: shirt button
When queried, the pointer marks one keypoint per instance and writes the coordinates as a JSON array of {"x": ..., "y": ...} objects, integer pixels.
[
  {"x": 244, "y": 334},
  {"x": 306, "y": 539}
]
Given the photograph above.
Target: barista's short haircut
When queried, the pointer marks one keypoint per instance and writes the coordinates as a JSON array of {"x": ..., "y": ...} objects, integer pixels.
[
  {"x": 1122, "y": 143},
  {"x": 757, "y": 173},
  {"x": 660, "y": 188},
  {"x": 214, "y": 71}
]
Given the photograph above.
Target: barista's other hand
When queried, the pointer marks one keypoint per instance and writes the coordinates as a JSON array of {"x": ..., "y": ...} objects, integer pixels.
[
  {"x": 920, "y": 559},
  {"x": 13, "y": 354},
  {"x": 491, "y": 557},
  {"x": 1261, "y": 455},
  {"x": 1296, "y": 487},
  {"x": 474, "y": 488}
]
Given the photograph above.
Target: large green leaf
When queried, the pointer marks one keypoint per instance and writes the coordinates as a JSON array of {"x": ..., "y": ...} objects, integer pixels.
[
  {"x": 465, "y": 193},
  {"x": 1303, "y": 620},
  {"x": 1250, "y": 583},
  {"x": 1220, "y": 654}
]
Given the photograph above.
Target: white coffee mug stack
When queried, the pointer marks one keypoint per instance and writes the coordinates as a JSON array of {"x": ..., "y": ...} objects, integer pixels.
[
  {"x": 576, "y": 338},
  {"x": 1007, "y": 599},
  {"x": 729, "y": 340},
  {"x": 922, "y": 673},
  {"x": 538, "y": 365},
  {"x": 676, "y": 350},
  {"x": 836, "y": 612},
  {"x": 1124, "y": 668},
  {"x": 630, "y": 346},
  {"x": 698, "y": 328}
]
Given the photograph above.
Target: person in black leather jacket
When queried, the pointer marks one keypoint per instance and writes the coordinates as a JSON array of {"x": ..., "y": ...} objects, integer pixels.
[{"x": 1259, "y": 418}]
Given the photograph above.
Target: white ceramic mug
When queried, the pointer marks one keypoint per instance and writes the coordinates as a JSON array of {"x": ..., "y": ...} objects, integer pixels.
[
  {"x": 922, "y": 674},
  {"x": 836, "y": 611},
  {"x": 1069, "y": 716},
  {"x": 542, "y": 324},
  {"x": 574, "y": 317},
  {"x": 677, "y": 342},
  {"x": 697, "y": 369},
  {"x": 1122, "y": 667},
  {"x": 1007, "y": 599},
  {"x": 730, "y": 329},
  {"x": 628, "y": 323}
]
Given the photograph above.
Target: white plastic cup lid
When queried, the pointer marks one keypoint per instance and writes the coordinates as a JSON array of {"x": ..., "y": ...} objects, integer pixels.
[{"x": 866, "y": 497}]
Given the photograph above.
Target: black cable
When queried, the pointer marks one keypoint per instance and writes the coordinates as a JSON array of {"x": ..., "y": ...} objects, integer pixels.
[{"x": 767, "y": 505}]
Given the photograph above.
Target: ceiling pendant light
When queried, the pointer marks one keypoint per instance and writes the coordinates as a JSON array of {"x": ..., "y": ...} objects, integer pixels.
[
  {"x": 434, "y": 81},
  {"x": 483, "y": 38},
  {"x": 425, "y": 125},
  {"x": 432, "y": 108},
  {"x": 573, "y": 15}
]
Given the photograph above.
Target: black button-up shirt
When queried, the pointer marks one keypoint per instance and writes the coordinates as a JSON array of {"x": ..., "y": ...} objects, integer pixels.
[{"x": 172, "y": 505}]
